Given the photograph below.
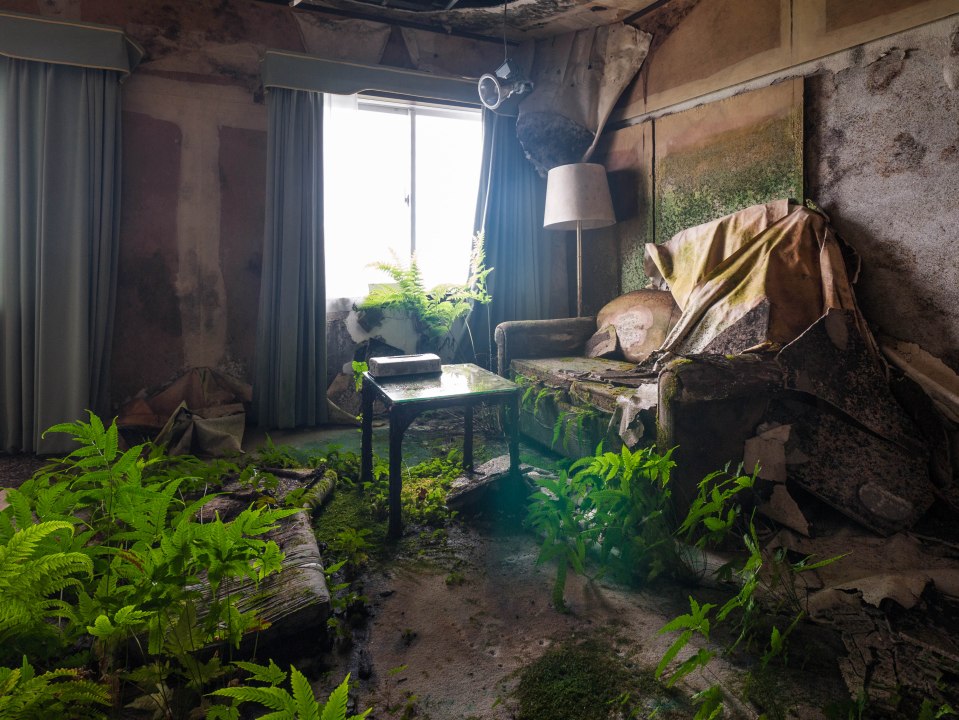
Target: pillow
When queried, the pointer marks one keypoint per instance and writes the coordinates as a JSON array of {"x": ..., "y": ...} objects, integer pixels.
[
  {"x": 603, "y": 343},
  {"x": 641, "y": 319}
]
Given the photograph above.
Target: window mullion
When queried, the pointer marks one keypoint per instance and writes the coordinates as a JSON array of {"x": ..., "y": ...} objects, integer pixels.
[{"x": 412, "y": 113}]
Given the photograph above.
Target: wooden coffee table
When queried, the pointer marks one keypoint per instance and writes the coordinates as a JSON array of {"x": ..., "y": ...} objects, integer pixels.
[{"x": 405, "y": 397}]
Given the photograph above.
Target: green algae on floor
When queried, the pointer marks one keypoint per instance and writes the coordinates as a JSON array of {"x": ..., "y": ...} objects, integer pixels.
[{"x": 589, "y": 680}]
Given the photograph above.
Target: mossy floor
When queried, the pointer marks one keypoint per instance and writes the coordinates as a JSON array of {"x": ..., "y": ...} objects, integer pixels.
[{"x": 458, "y": 622}]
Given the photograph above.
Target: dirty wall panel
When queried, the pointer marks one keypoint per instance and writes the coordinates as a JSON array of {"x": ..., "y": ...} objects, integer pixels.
[
  {"x": 734, "y": 41},
  {"x": 821, "y": 27},
  {"x": 882, "y": 157},
  {"x": 628, "y": 157},
  {"x": 242, "y": 179},
  {"x": 148, "y": 337},
  {"x": 720, "y": 158}
]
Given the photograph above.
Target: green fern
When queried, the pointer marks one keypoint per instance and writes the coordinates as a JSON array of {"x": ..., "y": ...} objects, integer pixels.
[
  {"x": 301, "y": 704},
  {"x": 31, "y": 571},
  {"x": 433, "y": 311},
  {"x": 24, "y": 695}
]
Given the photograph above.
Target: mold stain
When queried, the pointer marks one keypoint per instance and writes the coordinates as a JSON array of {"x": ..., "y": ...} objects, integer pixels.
[
  {"x": 729, "y": 172},
  {"x": 157, "y": 294}
]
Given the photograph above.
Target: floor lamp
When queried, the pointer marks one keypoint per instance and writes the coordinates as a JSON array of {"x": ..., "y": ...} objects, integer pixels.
[{"x": 577, "y": 196}]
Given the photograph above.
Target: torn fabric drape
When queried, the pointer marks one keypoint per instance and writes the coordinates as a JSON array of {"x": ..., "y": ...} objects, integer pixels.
[
  {"x": 59, "y": 221},
  {"x": 510, "y": 213},
  {"x": 289, "y": 389},
  {"x": 757, "y": 278}
]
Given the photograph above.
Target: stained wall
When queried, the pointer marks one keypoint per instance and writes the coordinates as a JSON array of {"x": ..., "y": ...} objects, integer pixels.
[
  {"x": 880, "y": 126},
  {"x": 194, "y": 164}
]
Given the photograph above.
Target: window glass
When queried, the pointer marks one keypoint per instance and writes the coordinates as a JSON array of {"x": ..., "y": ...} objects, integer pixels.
[
  {"x": 384, "y": 165},
  {"x": 449, "y": 150}
]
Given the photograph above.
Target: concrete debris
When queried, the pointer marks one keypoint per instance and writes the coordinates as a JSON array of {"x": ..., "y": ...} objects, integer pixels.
[
  {"x": 469, "y": 488},
  {"x": 782, "y": 508}
]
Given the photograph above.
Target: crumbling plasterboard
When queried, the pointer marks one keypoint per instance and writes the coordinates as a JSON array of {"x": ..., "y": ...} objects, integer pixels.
[
  {"x": 782, "y": 508},
  {"x": 865, "y": 554},
  {"x": 874, "y": 481},
  {"x": 834, "y": 362},
  {"x": 766, "y": 454},
  {"x": 935, "y": 377}
]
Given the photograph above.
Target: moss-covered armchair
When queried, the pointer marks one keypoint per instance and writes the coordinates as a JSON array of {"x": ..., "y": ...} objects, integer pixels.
[{"x": 768, "y": 361}]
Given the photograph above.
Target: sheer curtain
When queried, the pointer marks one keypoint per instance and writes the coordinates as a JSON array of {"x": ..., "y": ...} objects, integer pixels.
[
  {"x": 510, "y": 213},
  {"x": 289, "y": 389},
  {"x": 59, "y": 217}
]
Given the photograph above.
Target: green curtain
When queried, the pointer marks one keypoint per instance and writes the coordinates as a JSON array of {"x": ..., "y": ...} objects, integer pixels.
[
  {"x": 59, "y": 219},
  {"x": 289, "y": 388},
  {"x": 509, "y": 211}
]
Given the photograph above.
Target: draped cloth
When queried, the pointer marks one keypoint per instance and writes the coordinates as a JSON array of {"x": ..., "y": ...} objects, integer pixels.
[
  {"x": 289, "y": 388},
  {"x": 59, "y": 221},
  {"x": 756, "y": 279}
]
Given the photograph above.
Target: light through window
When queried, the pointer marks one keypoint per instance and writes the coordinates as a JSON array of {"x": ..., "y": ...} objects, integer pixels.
[{"x": 398, "y": 179}]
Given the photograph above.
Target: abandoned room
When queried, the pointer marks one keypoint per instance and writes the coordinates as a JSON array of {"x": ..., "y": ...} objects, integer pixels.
[{"x": 479, "y": 359}]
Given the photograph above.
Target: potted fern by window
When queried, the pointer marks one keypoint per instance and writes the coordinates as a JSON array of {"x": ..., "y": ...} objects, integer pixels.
[{"x": 435, "y": 313}]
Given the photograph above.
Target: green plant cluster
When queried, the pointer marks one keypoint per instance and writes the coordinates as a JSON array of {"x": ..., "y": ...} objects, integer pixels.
[
  {"x": 425, "y": 486},
  {"x": 300, "y": 704},
  {"x": 619, "y": 504},
  {"x": 770, "y": 587},
  {"x": 570, "y": 422},
  {"x": 433, "y": 311},
  {"x": 615, "y": 502},
  {"x": 112, "y": 568}
]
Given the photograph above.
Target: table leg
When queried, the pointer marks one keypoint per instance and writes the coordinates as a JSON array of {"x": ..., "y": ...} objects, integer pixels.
[
  {"x": 468, "y": 438},
  {"x": 399, "y": 421},
  {"x": 512, "y": 427},
  {"x": 366, "y": 445}
]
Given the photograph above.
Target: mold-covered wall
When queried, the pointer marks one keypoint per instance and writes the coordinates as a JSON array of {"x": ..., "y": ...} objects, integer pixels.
[
  {"x": 882, "y": 155},
  {"x": 880, "y": 136},
  {"x": 194, "y": 164}
]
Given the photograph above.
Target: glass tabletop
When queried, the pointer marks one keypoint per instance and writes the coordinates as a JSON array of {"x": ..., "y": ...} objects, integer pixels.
[{"x": 455, "y": 381}]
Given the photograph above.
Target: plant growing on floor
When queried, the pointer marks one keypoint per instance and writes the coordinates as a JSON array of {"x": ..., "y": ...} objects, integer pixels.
[
  {"x": 34, "y": 572},
  {"x": 145, "y": 548},
  {"x": 352, "y": 545},
  {"x": 616, "y": 502},
  {"x": 425, "y": 486},
  {"x": 764, "y": 576},
  {"x": 277, "y": 456},
  {"x": 63, "y": 693},
  {"x": 300, "y": 704},
  {"x": 554, "y": 513},
  {"x": 432, "y": 311}
]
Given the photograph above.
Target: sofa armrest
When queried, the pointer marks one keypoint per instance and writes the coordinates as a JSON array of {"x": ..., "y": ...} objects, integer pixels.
[{"x": 541, "y": 338}]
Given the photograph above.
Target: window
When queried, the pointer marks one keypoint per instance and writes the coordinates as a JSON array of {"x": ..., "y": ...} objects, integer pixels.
[{"x": 400, "y": 178}]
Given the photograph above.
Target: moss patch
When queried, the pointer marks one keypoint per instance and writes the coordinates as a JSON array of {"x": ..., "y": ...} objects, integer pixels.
[
  {"x": 734, "y": 170},
  {"x": 590, "y": 681},
  {"x": 347, "y": 509}
]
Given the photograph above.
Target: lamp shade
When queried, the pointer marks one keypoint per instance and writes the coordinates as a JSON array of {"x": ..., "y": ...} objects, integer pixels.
[{"x": 578, "y": 193}]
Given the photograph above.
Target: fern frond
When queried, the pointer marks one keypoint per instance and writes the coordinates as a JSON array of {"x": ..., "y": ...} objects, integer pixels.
[{"x": 272, "y": 697}]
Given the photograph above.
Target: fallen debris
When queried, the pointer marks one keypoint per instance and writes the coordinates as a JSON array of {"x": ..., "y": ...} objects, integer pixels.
[{"x": 466, "y": 489}]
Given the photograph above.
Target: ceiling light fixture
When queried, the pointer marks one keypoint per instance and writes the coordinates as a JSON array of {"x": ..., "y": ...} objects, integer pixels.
[{"x": 496, "y": 87}]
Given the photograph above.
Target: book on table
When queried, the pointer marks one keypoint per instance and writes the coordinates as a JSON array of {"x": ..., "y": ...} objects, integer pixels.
[{"x": 394, "y": 365}]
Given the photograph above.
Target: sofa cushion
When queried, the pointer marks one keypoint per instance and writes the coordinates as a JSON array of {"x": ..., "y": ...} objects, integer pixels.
[
  {"x": 573, "y": 375},
  {"x": 642, "y": 319}
]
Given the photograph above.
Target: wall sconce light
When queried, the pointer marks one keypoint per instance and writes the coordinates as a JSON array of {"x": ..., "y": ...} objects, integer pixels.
[{"x": 496, "y": 87}]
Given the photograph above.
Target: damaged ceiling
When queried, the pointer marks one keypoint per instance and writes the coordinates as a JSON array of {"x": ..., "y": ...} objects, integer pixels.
[{"x": 525, "y": 19}]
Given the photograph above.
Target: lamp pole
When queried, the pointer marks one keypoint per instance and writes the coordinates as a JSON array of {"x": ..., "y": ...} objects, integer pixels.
[{"x": 579, "y": 268}]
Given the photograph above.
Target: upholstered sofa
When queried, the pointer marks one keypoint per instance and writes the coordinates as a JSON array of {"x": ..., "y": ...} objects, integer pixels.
[{"x": 748, "y": 348}]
